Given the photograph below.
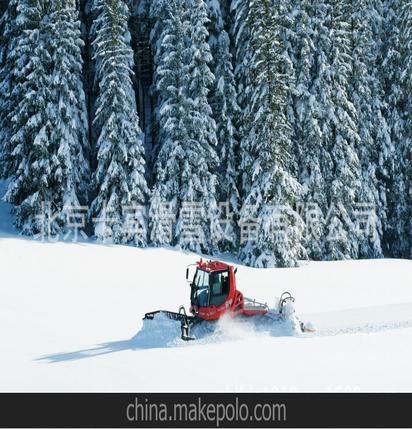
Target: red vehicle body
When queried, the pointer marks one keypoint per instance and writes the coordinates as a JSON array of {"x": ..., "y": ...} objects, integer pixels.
[{"x": 233, "y": 301}]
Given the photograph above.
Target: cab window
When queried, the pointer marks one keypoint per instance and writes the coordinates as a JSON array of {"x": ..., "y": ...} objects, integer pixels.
[{"x": 219, "y": 287}]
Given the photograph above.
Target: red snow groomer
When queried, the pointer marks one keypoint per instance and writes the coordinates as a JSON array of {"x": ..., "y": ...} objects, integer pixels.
[{"x": 213, "y": 294}]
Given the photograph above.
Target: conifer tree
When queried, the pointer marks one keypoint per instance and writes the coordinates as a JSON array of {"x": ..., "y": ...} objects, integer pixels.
[
  {"x": 118, "y": 208},
  {"x": 8, "y": 32},
  {"x": 309, "y": 96},
  {"x": 336, "y": 115},
  {"x": 70, "y": 134},
  {"x": 171, "y": 77},
  {"x": 49, "y": 166},
  {"x": 270, "y": 191},
  {"x": 185, "y": 166},
  {"x": 374, "y": 137},
  {"x": 240, "y": 34},
  {"x": 404, "y": 152},
  {"x": 226, "y": 114},
  {"x": 393, "y": 59},
  {"x": 344, "y": 177},
  {"x": 223, "y": 100}
]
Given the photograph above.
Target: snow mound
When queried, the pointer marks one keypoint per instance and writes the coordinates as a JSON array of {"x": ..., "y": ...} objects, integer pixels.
[
  {"x": 158, "y": 332},
  {"x": 245, "y": 328}
]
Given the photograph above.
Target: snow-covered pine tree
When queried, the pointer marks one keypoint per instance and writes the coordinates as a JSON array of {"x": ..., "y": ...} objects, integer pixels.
[
  {"x": 47, "y": 117},
  {"x": 215, "y": 25},
  {"x": 308, "y": 97},
  {"x": 223, "y": 100},
  {"x": 140, "y": 29},
  {"x": 242, "y": 52},
  {"x": 226, "y": 114},
  {"x": 288, "y": 19},
  {"x": 171, "y": 79},
  {"x": 8, "y": 32},
  {"x": 384, "y": 148},
  {"x": 70, "y": 132},
  {"x": 167, "y": 39},
  {"x": 405, "y": 147},
  {"x": 396, "y": 242},
  {"x": 86, "y": 14},
  {"x": 365, "y": 93},
  {"x": 21, "y": 21},
  {"x": 119, "y": 207},
  {"x": 215, "y": 28},
  {"x": 340, "y": 136},
  {"x": 270, "y": 191},
  {"x": 157, "y": 16},
  {"x": 201, "y": 128},
  {"x": 184, "y": 169}
]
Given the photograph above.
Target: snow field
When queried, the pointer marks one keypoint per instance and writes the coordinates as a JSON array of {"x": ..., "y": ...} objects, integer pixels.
[{"x": 71, "y": 320}]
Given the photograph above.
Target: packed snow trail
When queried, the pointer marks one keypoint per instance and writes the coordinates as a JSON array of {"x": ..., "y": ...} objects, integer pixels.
[{"x": 365, "y": 319}]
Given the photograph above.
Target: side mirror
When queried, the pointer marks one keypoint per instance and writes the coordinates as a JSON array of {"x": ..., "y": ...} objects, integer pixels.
[
  {"x": 187, "y": 273},
  {"x": 235, "y": 271}
]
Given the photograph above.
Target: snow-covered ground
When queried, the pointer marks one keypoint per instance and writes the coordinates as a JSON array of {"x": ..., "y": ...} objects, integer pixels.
[{"x": 71, "y": 320}]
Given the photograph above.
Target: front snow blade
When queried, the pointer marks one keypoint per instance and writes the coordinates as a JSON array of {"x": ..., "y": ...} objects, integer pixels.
[{"x": 185, "y": 321}]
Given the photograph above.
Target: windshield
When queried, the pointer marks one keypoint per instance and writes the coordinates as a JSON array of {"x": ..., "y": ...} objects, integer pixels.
[{"x": 210, "y": 288}]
